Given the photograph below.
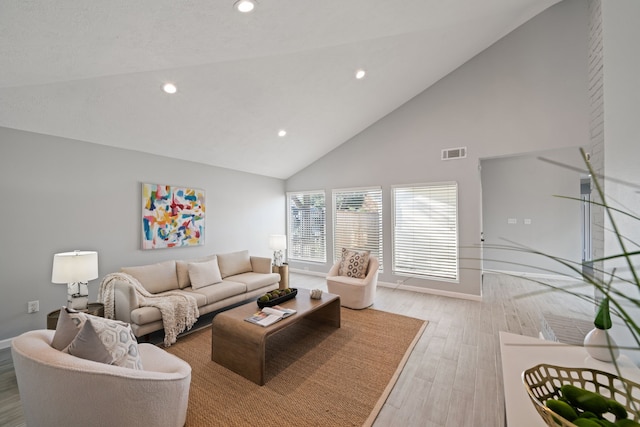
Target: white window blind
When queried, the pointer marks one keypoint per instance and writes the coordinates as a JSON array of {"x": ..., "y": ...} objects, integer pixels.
[
  {"x": 357, "y": 221},
  {"x": 425, "y": 231},
  {"x": 307, "y": 226}
]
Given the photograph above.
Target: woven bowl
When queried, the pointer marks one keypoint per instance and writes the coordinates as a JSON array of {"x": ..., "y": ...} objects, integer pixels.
[{"x": 544, "y": 381}]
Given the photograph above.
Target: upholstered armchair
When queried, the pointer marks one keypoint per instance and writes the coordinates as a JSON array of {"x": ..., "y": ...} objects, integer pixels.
[
  {"x": 354, "y": 293},
  {"x": 58, "y": 389}
]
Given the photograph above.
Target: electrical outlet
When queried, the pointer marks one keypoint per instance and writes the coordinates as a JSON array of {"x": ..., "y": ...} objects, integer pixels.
[{"x": 33, "y": 306}]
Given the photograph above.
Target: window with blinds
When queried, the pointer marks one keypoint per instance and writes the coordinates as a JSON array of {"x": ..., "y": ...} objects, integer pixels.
[
  {"x": 307, "y": 226},
  {"x": 425, "y": 231},
  {"x": 357, "y": 221}
]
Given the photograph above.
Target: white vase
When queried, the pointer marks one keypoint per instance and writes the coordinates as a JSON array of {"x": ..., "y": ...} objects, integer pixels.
[{"x": 600, "y": 345}]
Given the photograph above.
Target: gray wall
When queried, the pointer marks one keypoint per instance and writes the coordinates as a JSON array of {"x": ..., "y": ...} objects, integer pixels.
[
  {"x": 526, "y": 93},
  {"x": 60, "y": 195},
  {"x": 621, "y": 124},
  {"x": 622, "y": 144},
  {"x": 529, "y": 193}
]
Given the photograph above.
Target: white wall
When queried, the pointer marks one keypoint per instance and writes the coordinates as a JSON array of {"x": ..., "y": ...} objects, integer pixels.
[
  {"x": 60, "y": 195},
  {"x": 622, "y": 127},
  {"x": 526, "y": 93},
  {"x": 530, "y": 192},
  {"x": 621, "y": 35}
]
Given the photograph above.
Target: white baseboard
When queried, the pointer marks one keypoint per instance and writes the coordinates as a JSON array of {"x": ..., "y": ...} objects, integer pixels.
[
  {"x": 5, "y": 343},
  {"x": 403, "y": 287},
  {"x": 308, "y": 272},
  {"x": 535, "y": 275},
  {"x": 431, "y": 291}
]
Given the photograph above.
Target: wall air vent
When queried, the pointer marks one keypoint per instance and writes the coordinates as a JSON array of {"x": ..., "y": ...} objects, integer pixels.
[{"x": 454, "y": 153}]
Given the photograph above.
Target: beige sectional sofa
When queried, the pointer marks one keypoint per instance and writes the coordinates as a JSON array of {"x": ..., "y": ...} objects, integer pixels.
[{"x": 216, "y": 282}]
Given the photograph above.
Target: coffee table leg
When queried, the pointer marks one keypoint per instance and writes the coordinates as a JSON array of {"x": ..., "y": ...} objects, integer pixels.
[
  {"x": 329, "y": 314},
  {"x": 242, "y": 353}
]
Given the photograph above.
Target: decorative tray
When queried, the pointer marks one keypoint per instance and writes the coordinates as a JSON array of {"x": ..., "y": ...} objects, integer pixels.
[
  {"x": 544, "y": 381},
  {"x": 278, "y": 300}
]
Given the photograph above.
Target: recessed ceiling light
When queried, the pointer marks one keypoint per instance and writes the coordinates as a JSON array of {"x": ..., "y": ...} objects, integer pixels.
[
  {"x": 282, "y": 133},
  {"x": 245, "y": 6},
  {"x": 169, "y": 88},
  {"x": 360, "y": 74}
]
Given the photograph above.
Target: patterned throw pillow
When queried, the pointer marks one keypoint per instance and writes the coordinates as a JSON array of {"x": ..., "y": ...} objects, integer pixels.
[
  {"x": 354, "y": 263},
  {"x": 106, "y": 341},
  {"x": 69, "y": 324}
]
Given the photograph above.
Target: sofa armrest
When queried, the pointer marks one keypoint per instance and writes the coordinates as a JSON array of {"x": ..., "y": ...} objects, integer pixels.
[
  {"x": 125, "y": 301},
  {"x": 372, "y": 271},
  {"x": 334, "y": 269},
  {"x": 261, "y": 264}
]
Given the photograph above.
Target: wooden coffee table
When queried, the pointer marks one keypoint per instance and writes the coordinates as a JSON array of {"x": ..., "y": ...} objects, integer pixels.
[{"x": 240, "y": 346}]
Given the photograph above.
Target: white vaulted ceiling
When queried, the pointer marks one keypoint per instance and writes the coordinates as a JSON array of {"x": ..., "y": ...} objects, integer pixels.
[{"x": 93, "y": 70}]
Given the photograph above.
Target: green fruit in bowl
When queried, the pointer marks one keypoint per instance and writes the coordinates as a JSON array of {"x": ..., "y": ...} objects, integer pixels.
[
  {"x": 584, "y": 399},
  {"x": 263, "y": 298},
  {"x": 617, "y": 409},
  {"x": 562, "y": 408}
]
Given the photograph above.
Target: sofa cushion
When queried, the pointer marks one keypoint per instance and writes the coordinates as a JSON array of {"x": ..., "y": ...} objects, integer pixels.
[
  {"x": 155, "y": 278},
  {"x": 182, "y": 270},
  {"x": 234, "y": 263},
  {"x": 204, "y": 274},
  {"x": 221, "y": 291},
  {"x": 107, "y": 341},
  {"x": 354, "y": 263},
  {"x": 68, "y": 326},
  {"x": 144, "y": 315},
  {"x": 201, "y": 300},
  {"x": 256, "y": 280}
]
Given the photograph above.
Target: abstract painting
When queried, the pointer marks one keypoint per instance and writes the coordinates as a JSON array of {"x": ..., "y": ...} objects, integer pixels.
[{"x": 172, "y": 216}]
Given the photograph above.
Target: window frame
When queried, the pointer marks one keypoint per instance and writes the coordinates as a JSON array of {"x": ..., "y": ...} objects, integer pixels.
[
  {"x": 292, "y": 255},
  {"x": 426, "y": 273},
  {"x": 378, "y": 250}
]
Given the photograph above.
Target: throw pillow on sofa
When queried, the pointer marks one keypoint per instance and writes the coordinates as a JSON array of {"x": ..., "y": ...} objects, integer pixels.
[
  {"x": 234, "y": 263},
  {"x": 155, "y": 278},
  {"x": 106, "y": 341},
  {"x": 204, "y": 274},
  {"x": 182, "y": 270},
  {"x": 354, "y": 263}
]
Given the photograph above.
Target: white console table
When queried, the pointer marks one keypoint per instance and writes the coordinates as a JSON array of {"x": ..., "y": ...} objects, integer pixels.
[{"x": 520, "y": 353}]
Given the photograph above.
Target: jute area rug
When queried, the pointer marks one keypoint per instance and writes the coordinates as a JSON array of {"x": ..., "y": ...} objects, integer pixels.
[{"x": 316, "y": 375}]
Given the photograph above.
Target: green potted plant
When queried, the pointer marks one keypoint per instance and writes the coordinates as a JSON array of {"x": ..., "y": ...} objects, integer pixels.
[{"x": 598, "y": 342}]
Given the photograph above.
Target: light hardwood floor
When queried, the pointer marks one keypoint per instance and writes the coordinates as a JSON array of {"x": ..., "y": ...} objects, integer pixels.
[{"x": 453, "y": 376}]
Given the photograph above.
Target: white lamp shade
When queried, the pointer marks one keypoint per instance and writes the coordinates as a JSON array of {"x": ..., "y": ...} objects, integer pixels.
[
  {"x": 77, "y": 266},
  {"x": 277, "y": 242}
]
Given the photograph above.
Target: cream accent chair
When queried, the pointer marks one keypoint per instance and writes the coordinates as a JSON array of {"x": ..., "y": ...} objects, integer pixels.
[
  {"x": 354, "y": 293},
  {"x": 58, "y": 389}
]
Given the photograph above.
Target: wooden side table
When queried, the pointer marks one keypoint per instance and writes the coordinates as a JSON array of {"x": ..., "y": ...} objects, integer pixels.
[
  {"x": 94, "y": 308},
  {"x": 283, "y": 271}
]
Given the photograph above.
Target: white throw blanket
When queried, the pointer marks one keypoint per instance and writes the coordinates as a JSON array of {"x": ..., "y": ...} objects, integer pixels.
[{"x": 179, "y": 311}]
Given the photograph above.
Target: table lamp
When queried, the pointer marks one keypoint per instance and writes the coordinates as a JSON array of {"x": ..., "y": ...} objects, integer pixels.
[
  {"x": 278, "y": 243},
  {"x": 75, "y": 269}
]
